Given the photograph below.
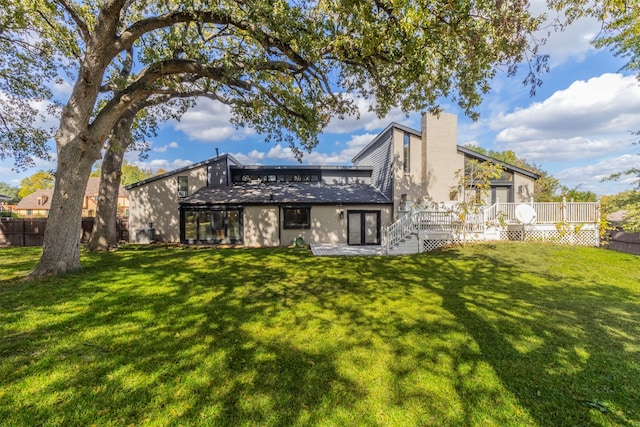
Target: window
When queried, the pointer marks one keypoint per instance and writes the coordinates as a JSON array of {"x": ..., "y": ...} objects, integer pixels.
[
  {"x": 406, "y": 152},
  {"x": 183, "y": 186},
  {"x": 297, "y": 217}
]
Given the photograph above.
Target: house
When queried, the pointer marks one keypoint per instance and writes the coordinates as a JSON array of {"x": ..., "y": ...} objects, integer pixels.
[
  {"x": 221, "y": 201},
  {"x": 38, "y": 204}
]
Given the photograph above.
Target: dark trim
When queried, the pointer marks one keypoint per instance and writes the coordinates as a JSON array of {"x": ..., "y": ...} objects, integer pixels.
[
  {"x": 229, "y": 159},
  {"x": 306, "y": 226},
  {"x": 507, "y": 166},
  {"x": 363, "y": 228},
  {"x": 198, "y": 212}
]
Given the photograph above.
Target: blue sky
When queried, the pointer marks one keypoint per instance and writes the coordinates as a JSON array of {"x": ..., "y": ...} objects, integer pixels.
[{"x": 576, "y": 127}]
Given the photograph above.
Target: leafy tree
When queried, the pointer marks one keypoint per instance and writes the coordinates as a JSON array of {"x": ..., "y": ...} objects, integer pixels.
[
  {"x": 577, "y": 195},
  {"x": 9, "y": 191},
  {"x": 628, "y": 201},
  {"x": 546, "y": 188},
  {"x": 40, "y": 180},
  {"x": 130, "y": 172},
  {"x": 283, "y": 67},
  {"x": 620, "y": 25}
]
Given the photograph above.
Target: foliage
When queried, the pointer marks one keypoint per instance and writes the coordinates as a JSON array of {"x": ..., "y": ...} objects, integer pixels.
[
  {"x": 281, "y": 66},
  {"x": 577, "y": 195},
  {"x": 547, "y": 188},
  {"x": 628, "y": 201},
  {"x": 10, "y": 191},
  {"x": 491, "y": 334},
  {"x": 130, "y": 173},
  {"x": 40, "y": 180},
  {"x": 620, "y": 25},
  {"x": 27, "y": 68}
]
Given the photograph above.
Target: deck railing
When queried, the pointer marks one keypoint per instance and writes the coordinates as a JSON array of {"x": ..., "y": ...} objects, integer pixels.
[{"x": 498, "y": 214}]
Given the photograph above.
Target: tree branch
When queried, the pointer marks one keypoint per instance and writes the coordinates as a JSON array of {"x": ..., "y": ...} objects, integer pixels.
[{"x": 82, "y": 26}]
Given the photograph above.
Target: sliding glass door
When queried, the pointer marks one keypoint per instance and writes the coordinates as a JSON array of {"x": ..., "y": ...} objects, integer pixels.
[{"x": 211, "y": 226}]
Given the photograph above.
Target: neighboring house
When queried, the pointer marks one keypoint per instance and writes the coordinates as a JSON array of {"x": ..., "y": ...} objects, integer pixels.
[
  {"x": 38, "y": 204},
  {"x": 220, "y": 201}
]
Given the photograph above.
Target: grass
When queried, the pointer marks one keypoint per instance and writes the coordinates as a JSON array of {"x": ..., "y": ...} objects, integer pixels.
[{"x": 491, "y": 334}]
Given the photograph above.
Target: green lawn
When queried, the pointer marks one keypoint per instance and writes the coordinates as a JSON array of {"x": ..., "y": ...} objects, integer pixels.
[{"x": 491, "y": 334}]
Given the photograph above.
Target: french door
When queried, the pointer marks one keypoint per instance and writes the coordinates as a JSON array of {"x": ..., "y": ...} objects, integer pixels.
[{"x": 363, "y": 227}]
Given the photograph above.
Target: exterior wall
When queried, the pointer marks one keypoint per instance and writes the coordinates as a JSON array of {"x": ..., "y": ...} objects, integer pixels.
[
  {"x": 439, "y": 136},
  {"x": 261, "y": 226},
  {"x": 327, "y": 227},
  {"x": 407, "y": 185},
  {"x": 522, "y": 188},
  {"x": 35, "y": 213},
  {"x": 157, "y": 202}
]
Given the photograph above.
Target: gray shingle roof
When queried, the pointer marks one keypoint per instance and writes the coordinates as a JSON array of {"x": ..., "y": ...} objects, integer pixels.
[{"x": 291, "y": 193}]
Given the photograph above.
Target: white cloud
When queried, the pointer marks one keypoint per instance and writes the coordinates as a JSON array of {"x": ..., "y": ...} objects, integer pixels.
[
  {"x": 278, "y": 152},
  {"x": 573, "y": 43},
  {"x": 589, "y": 177},
  {"x": 589, "y": 118},
  {"x": 254, "y": 157},
  {"x": 209, "y": 121},
  {"x": 368, "y": 120},
  {"x": 156, "y": 164},
  {"x": 283, "y": 154},
  {"x": 164, "y": 148}
]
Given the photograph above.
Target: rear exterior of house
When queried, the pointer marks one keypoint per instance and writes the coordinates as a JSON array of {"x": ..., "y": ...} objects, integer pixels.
[{"x": 220, "y": 201}]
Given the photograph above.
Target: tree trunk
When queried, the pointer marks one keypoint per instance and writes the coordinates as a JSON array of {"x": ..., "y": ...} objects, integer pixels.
[
  {"x": 104, "y": 235},
  {"x": 61, "y": 247}
]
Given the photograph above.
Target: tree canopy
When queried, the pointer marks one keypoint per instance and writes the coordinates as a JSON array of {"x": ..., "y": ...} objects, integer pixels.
[
  {"x": 130, "y": 173},
  {"x": 9, "y": 191},
  {"x": 620, "y": 25},
  {"x": 41, "y": 180}
]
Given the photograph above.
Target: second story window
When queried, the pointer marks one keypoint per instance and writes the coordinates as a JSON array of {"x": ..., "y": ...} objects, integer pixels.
[
  {"x": 183, "y": 186},
  {"x": 405, "y": 153}
]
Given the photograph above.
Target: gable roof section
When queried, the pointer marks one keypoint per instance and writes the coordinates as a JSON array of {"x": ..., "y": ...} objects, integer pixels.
[
  {"x": 508, "y": 166},
  {"x": 31, "y": 201},
  {"x": 383, "y": 137},
  {"x": 229, "y": 157},
  {"x": 292, "y": 193}
]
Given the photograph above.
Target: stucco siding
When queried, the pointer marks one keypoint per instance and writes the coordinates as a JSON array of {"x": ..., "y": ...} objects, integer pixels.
[
  {"x": 523, "y": 188},
  {"x": 261, "y": 226},
  {"x": 328, "y": 227},
  {"x": 407, "y": 184},
  {"x": 157, "y": 202}
]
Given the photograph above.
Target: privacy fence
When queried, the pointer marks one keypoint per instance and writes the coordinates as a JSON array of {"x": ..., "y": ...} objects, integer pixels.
[
  {"x": 30, "y": 231},
  {"x": 625, "y": 242}
]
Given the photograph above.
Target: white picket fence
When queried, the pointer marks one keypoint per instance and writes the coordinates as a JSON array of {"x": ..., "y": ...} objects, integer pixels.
[{"x": 575, "y": 223}]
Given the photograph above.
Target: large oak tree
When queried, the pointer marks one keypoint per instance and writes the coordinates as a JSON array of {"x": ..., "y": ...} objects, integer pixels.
[{"x": 282, "y": 66}]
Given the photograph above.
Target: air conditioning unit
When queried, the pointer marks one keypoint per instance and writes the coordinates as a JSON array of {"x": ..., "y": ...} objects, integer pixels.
[{"x": 182, "y": 194}]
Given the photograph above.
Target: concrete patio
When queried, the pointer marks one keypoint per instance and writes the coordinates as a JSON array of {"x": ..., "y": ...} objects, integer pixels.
[{"x": 342, "y": 249}]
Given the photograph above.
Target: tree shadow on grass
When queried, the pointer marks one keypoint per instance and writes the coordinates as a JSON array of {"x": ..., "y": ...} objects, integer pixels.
[
  {"x": 567, "y": 350},
  {"x": 221, "y": 337},
  {"x": 179, "y": 351}
]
